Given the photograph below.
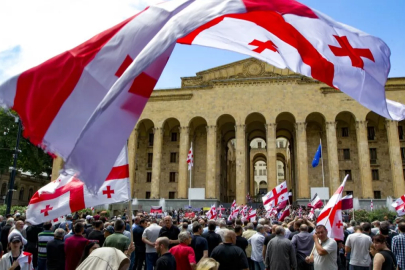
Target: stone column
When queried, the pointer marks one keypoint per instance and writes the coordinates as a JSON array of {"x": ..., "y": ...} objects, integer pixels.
[
  {"x": 183, "y": 166},
  {"x": 395, "y": 158},
  {"x": 132, "y": 147},
  {"x": 271, "y": 155},
  {"x": 302, "y": 160},
  {"x": 210, "y": 183},
  {"x": 333, "y": 161},
  {"x": 56, "y": 167},
  {"x": 240, "y": 155},
  {"x": 364, "y": 160},
  {"x": 157, "y": 157}
]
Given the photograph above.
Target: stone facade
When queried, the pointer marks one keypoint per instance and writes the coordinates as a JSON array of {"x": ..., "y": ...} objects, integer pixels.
[{"x": 250, "y": 99}]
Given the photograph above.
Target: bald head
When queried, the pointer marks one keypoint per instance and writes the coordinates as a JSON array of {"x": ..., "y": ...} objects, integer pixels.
[
  {"x": 303, "y": 228},
  {"x": 230, "y": 237}
]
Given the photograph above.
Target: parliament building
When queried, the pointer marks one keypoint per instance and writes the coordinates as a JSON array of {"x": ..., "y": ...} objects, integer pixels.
[{"x": 253, "y": 126}]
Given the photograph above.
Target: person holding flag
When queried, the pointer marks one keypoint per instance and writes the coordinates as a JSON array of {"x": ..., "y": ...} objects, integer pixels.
[{"x": 324, "y": 255}]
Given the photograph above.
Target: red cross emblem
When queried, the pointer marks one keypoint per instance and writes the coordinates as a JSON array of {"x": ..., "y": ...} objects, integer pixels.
[
  {"x": 354, "y": 54},
  {"x": 339, "y": 224},
  {"x": 261, "y": 46},
  {"x": 46, "y": 210},
  {"x": 108, "y": 192}
]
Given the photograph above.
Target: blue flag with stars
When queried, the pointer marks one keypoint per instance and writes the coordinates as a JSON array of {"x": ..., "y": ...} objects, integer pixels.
[{"x": 317, "y": 156}]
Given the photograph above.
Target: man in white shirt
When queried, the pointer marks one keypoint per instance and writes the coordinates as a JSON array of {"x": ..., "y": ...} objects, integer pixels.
[
  {"x": 358, "y": 244},
  {"x": 257, "y": 243},
  {"x": 149, "y": 236},
  {"x": 325, "y": 253}
]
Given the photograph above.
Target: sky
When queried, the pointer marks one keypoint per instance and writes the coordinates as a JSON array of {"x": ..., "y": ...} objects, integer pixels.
[{"x": 32, "y": 31}]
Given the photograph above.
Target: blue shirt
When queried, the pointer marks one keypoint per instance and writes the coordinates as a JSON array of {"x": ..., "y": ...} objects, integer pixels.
[{"x": 398, "y": 248}]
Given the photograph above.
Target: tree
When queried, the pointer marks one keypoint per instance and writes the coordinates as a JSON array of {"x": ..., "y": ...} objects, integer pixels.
[{"x": 31, "y": 159}]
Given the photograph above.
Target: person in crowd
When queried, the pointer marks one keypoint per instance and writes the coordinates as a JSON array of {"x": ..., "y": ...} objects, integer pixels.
[
  {"x": 358, "y": 244},
  {"x": 350, "y": 229},
  {"x": 222, "y": 228},
  {"x": 249, "y": 232},
  {"x": 325, "y": 252},
  {"x": 199, "y": 243},
  {"x": 170, "y": 231},
  {"x": 257, "y": 242},
  {"x": 398, "y": 246},
  {"x": 118, "y": 239},
  {"x": 97, "y": 232},
  {"x": 303, "y": 243},
  {"x": 149, "y": 236},
  {"x": 166, "y": 261},
  {"x": 55, "y": 251},
  {"x": 376, "y": 228},
  {"x": 367, "y": 229},
  {"x": 89, "y": 226},
  {"x": 108, "y": 230},
  {"x": 240, "y": 241},
  {"x": 384, "y": 259},
  {"x": 5, "y": 231},
  {"x": 268, "y": 239},
  {"x": 140, "y": 248},
  {"x": 207, "y": 264},
  {"x": 105, "y": 258},
  {"x": 67, "y": 224},
  {"x": 32, "y": 242},
  {"x": 388, "y": 234},
  {"x": 280, "y": 253},
  {"x": 89, "y": 248},
  {"x": 212, "y": 237},
  {"x": 74, "y": 246},
  {"x": 10, "y": 260},
  {"x": 228, "y": 255},
  {"x": 43, "y": 239},
  {"x": 295, "y": 227},
  {"x": 185, "y": 256}
]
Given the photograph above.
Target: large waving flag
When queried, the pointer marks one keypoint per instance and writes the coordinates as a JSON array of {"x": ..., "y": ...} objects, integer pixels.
[
  {"x": 399, "y": 205},
  {"x": 67, "y": 194},
  {"x": 317, "y": 156},
  {"x": 275, "y": 196},
  {"x": 347, "y": 202},
  {"x": 84, "y": 103},
  {"x": 331, "y": 215}
]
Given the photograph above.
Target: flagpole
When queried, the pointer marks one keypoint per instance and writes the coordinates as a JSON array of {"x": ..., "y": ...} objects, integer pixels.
[
  {"x": 189, "y": 199},
  {"x": 323, "y": 175}
]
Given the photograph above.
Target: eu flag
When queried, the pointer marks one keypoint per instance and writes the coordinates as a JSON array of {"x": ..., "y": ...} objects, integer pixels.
[{"x": 317, "y": 156}]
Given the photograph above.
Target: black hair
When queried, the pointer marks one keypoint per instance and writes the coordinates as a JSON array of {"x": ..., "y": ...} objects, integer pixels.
[
  {"x": 119, "y": 225},
  {"x": 78, "y": 227},
  {"x": 47, "y": 225},
  {"x": 86, "y": 250}
]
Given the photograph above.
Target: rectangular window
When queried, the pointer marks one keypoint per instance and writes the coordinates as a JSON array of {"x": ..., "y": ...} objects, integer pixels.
[
  {"x": 345, "y": 132},
  {"x": 281, "y": 144},
  {"x": 173, "y": 157},
  {"x": 373, "y": 155},
  {"x": 280, "y": 167},
  {"x": 377, "y": 194},
  {"x": 151, "y": 138},
  {"x": 171, "y": 194},
  {"x": 150, "y": 159},
  {"x": 346, "y": 154},
  {"x": 260, "y": 172},
  {"x": 370, "y": 133},
  {"x": 403, "y": 154},
  {"x": 148, "y": 177},
  {"x": 172, "y": 177},
  {"x": 375, "y": 175},
  {"x": 401, "y": 132},
  {"x": 147, "y": 195},
  {"x": 174, "y": 137},
  {"x": 349, "y": 192},
  {"x": 264, "y": 172},
  {"x": 348, "y": 172},
  {"x": 259, "y": 145}
]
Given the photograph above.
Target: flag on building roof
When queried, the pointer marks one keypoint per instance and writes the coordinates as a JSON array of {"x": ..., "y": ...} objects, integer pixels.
[
  {"x": 67, "y": 194},
  {"x": 399, "y": 205},
  {"x": 316, "y": 202},
  {"x": 275, "y": 196},
  {"x": 317, "y": 156},
  {"x": 100, "y": 88},
  {"x": 331, "y": 215},
  {"x": 190, "y": 158},
  {"x": 347, "y": 202}
]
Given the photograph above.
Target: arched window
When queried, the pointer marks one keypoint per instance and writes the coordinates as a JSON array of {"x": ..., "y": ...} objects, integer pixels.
[
  {"x": 30, "y": 193},
  {"x": 3, "y": 190},
  {"x": 21, "y": 196}
]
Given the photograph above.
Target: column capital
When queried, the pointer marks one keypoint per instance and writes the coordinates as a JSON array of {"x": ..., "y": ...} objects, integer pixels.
[
  {"x": 240, "y": 127},
  {"x": 270, "y": 125},
  {"x": 360, "y": 124},
  {"x": 331, "y": 124},
  {"x": 301, "y": 125},
  {"x": 389, "y": 122},
  {"x": 184, "y": 129},
  {"x": 157, "y": 130}
]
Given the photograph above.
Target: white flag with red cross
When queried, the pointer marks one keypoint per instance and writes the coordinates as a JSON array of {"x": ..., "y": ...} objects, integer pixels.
[
  {"x": 399, "y": 205},
  {"x": 275, "y": 196},
  {"x": 67, "y": 194},
  {"x": 190, "y": 158},
  {"x": 331, "y": 215}
]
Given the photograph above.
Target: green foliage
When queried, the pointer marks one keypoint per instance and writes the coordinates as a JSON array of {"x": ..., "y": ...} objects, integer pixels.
[
  {"x": 20, "y": 209},
  {"x": 31, "y": 158},
  {"x": 89, "y": 212},
  {"x": 370, "y": 216}
]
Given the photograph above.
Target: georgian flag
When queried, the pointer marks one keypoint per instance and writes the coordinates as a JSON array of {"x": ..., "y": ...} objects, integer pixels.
[
  {"x": 315, "y": 202},
  {"x": 331, "y": 215},
  {"x": 233, "y": 206},
  {"x": 252, "y": 215},
  {"x": 399, "y": 205},
  {"x": 212, "y": 213},
  {"x": 67, "y": 194},
  {"x": 275, "y": 196},
  {"x": 99, "y": 89},
  {"x": 311, "y": 214},
  {"x": 190, "y": 158}
]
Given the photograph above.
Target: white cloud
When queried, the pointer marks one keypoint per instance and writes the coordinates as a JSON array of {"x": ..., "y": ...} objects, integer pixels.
[{"x": 41, "y": 29}]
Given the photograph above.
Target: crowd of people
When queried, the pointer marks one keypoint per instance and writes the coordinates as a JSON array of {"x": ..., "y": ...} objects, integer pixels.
[{"x": 173, "y": 242}]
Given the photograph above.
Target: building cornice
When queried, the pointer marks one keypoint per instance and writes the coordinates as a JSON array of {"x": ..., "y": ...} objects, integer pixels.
[{"x": 170, "y": 97}]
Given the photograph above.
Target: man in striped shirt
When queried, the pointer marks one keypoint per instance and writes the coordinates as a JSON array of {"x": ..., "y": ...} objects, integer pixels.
[{"x": 43, "y": 239}]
